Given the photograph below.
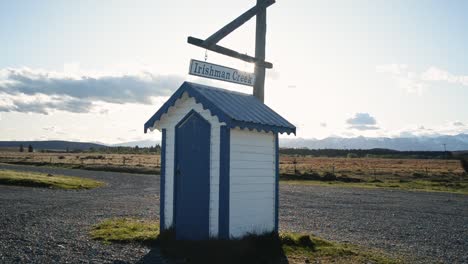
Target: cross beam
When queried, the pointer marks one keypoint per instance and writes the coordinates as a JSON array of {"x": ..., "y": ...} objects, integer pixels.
[
  {"x": 229, "y": 52},
  {"x": 259, "y": 10},
  {"x": 236, "y": 23}
]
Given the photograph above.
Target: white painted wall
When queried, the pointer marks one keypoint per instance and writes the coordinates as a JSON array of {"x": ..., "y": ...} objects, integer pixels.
[
  {"x": 252, "y": 172},
  {"x": 168, "y": 121},
  {"x": 252, "y": 182}
]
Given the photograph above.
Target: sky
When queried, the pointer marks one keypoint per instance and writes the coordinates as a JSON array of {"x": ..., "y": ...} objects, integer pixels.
[{"x": 97, "y": 70}]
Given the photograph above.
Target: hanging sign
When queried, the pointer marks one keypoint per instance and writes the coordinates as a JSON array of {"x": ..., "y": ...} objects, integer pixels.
[{"x": 222, "y": 73}]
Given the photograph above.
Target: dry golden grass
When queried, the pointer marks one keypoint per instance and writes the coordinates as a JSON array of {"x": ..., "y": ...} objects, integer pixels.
[
  {"x": 139, "y": 160},
  {"x": 372, "y": 167},
  {"x": 363, "y": 168}
]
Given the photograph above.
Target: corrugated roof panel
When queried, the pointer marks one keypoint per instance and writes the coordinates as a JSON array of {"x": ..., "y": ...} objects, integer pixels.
[{"x": 233, "y": 108}]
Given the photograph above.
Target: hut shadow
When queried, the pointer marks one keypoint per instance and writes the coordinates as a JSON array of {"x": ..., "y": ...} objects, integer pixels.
[
  {"x": 154, "y": 256},
  {"x": 253, "y": 249}
]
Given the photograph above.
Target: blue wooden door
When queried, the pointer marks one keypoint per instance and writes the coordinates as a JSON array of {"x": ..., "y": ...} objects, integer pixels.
[{"x": 192, "y": 178}]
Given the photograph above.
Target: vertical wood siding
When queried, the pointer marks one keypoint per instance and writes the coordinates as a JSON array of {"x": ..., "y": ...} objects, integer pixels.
[
  {"x": 252, "y": 182},
  {"x": 162, "y": 186},
  {"x": 168, "y": 121}
]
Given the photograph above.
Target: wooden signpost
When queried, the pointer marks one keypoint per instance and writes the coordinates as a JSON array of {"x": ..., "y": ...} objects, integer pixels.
[{"x": 259, "y": 10}]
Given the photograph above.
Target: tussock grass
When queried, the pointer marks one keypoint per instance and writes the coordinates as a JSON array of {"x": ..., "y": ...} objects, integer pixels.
[
  {"x": 124, "y": 230},
  {"x": 460, "y": 187},
  {"x": 302, "y": 248},
  {"x": 32, "y": 179},
  {"x": 266, "y": 248}
]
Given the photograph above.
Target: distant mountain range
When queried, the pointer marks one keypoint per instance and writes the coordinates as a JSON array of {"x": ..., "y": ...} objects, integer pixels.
[
  {"x": 141, "y": 144},
  {"x": 51, "y": 145},
  {"x": 423, "y": 143}
]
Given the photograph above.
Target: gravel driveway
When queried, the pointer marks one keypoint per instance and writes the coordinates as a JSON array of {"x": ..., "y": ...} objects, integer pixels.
[
  {"x": 45, "y": 225},
  {"x": 428, "y": 227}
]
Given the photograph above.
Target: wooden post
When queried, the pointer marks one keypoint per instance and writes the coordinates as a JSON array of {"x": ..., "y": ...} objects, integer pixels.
[
  {"x": 259, "y": 11},
  {"x": 260, "y": 42}
]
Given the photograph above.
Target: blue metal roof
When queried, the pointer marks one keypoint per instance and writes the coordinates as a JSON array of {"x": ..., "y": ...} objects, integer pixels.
[{"x": 233, "y": 108}]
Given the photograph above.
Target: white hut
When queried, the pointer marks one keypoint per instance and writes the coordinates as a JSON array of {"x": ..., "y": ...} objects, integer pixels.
[{"x": 219, "y": 163}]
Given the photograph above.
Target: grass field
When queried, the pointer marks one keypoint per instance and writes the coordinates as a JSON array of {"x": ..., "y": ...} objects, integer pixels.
[
  {"x": 9, "y": 177},
  {"x": 269, "y": 248},
  {"x": 373, "y": 168},
  {"x": 82, "y": 158},
  {"x": 354, "y": 167},
  {"x": 409, "y": 174},
  {"x": 133, "y": 163}
]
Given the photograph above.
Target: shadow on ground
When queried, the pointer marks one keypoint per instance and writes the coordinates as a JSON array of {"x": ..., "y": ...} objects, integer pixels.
[
  {"x": 266, "y": 248},
  {"x": 154, "y": 256}
]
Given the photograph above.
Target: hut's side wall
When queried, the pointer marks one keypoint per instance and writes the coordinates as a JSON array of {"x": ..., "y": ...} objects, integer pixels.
[
  {"x": 252, "y": 174},
  {"x": 168, "y": 121}
]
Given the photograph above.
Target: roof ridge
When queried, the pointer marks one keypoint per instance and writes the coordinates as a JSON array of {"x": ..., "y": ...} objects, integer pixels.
[{"x": 204, "y": 86}]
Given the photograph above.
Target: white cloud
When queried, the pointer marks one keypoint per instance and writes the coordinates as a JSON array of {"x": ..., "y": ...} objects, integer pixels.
[
  {"x": 70, "y": 92},
  {"x": 416, "y": 82},
  {"x": 451, "y": 128},
  {"x": 364, "y": 127},
  {"x": 43, "y": 104},
  {"x": 437, "y": 74},
  {"x": 396, "y": 69},
  {"x": 411, "y": 83},
  {"x": 362, "y": 121}
]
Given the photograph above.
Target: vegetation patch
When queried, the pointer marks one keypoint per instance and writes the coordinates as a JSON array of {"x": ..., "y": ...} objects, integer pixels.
[
  {"x": 267, "y": 248},
  {"x": 126, "y": 169},
  {"x": 300, "y": 248},
  {"x": 326, "y": 177},
  {"x": 124, "y": 230},
  {"x": 460, "y": 187},
  {"x": 109, "y": 168},
  {"x": 10, "y": 177}
]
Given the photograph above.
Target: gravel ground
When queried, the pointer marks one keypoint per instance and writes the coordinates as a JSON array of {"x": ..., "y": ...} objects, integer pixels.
[
  {"x": 40, "y": 225},
  {"x": 426, "y": 227},
  {"x": 45, "y": 225}
]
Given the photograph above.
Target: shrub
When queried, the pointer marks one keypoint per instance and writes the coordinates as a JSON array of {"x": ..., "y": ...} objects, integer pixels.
[
  {"x": 345, "y": 178},
  {"x": 305, "y": 241},
  {"x": 311, "y": 176},
  {"x": 329, "y": 176},
  {"x": 418, "y": 175},
  {"x": 464, "y": 164},
  {"x": 100, "y": 157}
]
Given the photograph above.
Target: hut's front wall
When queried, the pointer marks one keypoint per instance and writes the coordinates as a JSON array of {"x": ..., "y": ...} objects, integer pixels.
[
  {"x": 252, "y": 174},
  {"x": 168, "y": 121}
]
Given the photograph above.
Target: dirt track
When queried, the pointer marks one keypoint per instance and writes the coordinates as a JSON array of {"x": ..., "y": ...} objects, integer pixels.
[{"x": 44, "y": 225}]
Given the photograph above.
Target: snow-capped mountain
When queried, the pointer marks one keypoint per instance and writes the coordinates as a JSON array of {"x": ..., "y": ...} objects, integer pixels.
[{"x": 422, "y": 143}]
